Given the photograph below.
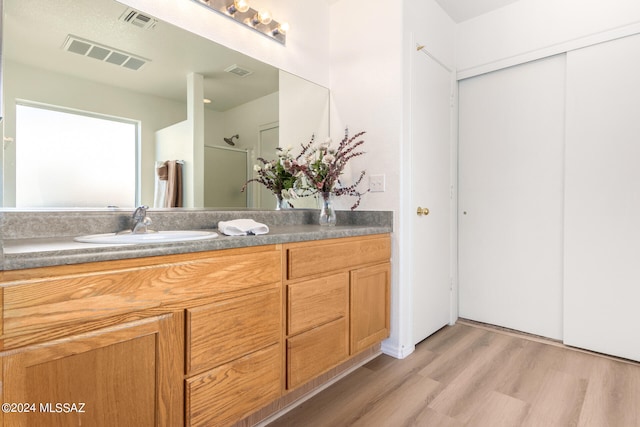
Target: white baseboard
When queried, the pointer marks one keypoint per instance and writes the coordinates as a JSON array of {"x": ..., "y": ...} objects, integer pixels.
[{"x": 395, "y": 351}]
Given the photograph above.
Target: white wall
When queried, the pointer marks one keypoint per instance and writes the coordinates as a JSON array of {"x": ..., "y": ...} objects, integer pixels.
[
  {"x": 366, "y": 90},
  {"x": 366, "y": 93},
  {"x": 531, "y": 29}
]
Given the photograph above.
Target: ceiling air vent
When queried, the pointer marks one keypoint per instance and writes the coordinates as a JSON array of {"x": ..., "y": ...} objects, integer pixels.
[
  {"x": 103, "y": 53},
  {"x": 238, "y": 71},
  {"x": 133, "y": 17}
]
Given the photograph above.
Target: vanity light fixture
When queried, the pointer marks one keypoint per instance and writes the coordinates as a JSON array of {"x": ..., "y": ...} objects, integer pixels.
[{"x": 240, "y": 11}]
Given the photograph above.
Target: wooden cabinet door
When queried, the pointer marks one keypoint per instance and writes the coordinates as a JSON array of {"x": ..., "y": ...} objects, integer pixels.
[
  {"x": 370, "y": 287},
  {"x": 127, "y": 375}
]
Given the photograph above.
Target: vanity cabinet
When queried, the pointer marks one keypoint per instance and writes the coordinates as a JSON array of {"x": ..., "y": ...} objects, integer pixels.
[
  {"x": 337, "y": 302},
  {"x": 158, "y": 341},
  {"x": 198, "y": 339}
]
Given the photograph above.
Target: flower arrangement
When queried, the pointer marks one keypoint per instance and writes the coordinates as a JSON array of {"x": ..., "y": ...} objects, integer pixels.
[
  {"x": 276, "y": 177},
  {"x": 321, "y": 166},
  {"x": 316, "y": 170}
]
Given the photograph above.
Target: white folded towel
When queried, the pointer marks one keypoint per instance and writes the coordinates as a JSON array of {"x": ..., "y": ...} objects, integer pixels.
[{"x": 242, "y": 227}]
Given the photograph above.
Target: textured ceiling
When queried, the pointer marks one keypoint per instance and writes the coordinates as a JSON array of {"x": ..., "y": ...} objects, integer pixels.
[{"x": 35, "y": 30}]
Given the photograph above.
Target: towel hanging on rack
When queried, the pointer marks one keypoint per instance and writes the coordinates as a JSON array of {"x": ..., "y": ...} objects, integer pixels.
[{"x": 169, "y": 191}]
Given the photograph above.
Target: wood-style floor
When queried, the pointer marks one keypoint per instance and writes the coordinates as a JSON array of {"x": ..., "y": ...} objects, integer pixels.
[{"x": 469, "y": 375}]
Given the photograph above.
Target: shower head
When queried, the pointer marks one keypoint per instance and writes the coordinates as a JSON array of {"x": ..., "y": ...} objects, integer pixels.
[{"x": 230, "y": 140}]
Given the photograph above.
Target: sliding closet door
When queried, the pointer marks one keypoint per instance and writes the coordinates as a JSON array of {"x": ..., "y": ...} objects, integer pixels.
[
  {"x": 602, "y": 213},
  {"x": 511, "y": 143}
]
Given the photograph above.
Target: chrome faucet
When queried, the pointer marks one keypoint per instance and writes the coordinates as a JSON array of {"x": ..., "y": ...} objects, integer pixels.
[{"x": 140, "y": 220}]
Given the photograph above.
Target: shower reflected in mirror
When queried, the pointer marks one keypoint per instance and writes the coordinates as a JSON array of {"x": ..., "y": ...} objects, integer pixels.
[{"x": 230, "y": 140}]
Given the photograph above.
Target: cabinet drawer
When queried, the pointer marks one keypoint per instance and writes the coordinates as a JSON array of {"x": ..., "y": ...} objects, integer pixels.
[
  {"x": 68, "y": 294},
  {"x": 307, "y": 259},
  {"x": 315, "y": 302},
  {"x": 230, "y": 392},
  {"x": 316, "y": 351},
  {"x": 223, "y": 331}
]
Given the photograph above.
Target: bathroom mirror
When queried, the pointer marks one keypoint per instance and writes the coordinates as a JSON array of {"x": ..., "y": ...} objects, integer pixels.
[{"x": 105, "y": 60}]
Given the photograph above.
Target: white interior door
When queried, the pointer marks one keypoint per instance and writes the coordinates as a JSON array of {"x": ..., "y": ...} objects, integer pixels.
[
  {"x": 511, "y": 142},
  {"x": 431, "y": 116},
  {"x": 602, "y": 210}
]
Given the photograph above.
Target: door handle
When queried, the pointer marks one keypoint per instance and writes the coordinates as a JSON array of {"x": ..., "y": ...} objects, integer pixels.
[{"x": 423, "y": 211}]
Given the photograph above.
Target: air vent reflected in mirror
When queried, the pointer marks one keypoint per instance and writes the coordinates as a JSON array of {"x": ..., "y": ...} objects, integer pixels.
[
  {"x": 103, "y": 53},
  {"x": 238, "y": 71}
]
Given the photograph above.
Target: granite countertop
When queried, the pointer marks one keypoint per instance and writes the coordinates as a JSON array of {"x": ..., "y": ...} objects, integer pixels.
[{"x": 50, "y": 251}]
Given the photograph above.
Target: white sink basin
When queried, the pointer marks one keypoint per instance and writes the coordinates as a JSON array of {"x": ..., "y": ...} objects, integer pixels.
[{"x": 151, "y": 237}]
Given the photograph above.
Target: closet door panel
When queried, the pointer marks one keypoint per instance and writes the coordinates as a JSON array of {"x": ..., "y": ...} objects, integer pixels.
[
  {"x": 602, "y": 208},
  {"x": 511, "y": 143}
]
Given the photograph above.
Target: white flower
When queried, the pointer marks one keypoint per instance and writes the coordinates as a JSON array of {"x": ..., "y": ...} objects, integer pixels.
[
  {"x": 328, "y": 159},
  {"x": 268, "y": 166},
  {"x": 257, "y": 168},
  {"x": 327, "y": 142}
]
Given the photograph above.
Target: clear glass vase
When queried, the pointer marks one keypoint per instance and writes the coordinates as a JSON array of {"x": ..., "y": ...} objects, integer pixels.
[
  {"x": 327, "y": 212},
  {"x": 281, "y": 203}
]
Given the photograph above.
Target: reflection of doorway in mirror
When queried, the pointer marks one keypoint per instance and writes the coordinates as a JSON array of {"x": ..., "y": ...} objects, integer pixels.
[
  {"x": 268, "y": 142},
  {"x": 225, "y": 172}
]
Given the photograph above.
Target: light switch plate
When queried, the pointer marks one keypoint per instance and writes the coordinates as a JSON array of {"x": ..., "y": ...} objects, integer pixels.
[{"x": 376, "y": 183}]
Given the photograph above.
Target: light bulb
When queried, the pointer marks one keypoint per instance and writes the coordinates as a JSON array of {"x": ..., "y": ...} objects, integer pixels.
[
  {"x": 264, "y": 17},
  {"x": 282, "y": 28},
  {"x": 238, "y": 6},
  {"x": 241, "y": 5}
]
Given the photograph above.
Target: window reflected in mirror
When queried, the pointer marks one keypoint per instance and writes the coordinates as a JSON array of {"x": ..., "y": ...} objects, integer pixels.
[{"x": 75, "y": 159}]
